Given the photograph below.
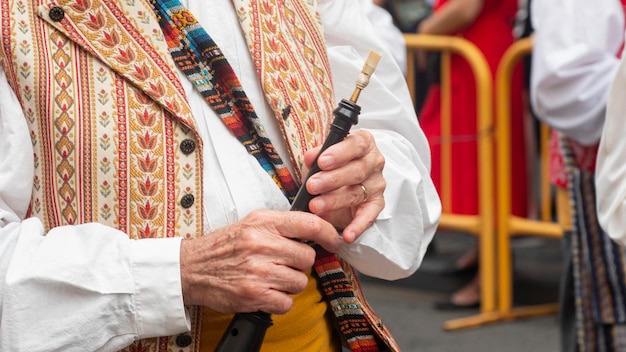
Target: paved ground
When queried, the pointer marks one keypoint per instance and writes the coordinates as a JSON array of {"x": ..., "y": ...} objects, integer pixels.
[{"x": 407, "y": 306}]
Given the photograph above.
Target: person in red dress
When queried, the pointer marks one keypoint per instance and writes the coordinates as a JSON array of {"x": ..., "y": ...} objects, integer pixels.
[{"x": 488, "y": 24}]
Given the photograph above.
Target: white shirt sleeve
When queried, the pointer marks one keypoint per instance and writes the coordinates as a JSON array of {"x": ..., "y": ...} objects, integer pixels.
[
  {"x": 394, "y": 247},
  {"x": 573, "y": 62},
  {"x": 611, "y": 163},
  {"x": 76, "y": 288}
]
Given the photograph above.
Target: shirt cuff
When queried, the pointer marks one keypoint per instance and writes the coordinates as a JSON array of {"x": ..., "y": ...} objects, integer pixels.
[{"x": 158, "y": 294}]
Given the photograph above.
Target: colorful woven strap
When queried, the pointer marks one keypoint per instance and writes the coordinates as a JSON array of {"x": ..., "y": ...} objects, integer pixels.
[
  {"x": 202, "y": 61},
  {"x": 197, "y": 55},
  {"x": 339, "y": 292}
]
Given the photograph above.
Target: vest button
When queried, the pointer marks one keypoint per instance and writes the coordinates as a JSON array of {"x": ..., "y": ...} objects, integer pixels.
[
  {"x": 56, "y": 13},
  {"x": 187, "y": 146},
  {"x": 187, "y": 201},
  {"x": 286, "y": 111},
  {"x": 183, "y": 340}
]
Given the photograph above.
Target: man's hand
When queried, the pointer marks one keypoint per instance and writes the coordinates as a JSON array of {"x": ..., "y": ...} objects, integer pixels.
[
  {"x": 350, "y": 185},
  {"x": 254, "y": 264}
]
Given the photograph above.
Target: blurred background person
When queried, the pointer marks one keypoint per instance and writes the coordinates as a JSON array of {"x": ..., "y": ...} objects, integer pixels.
[
  {"x": 574, "y": 60},
  {"x": 488, "y": 24},
  {"x": 387, "y": 31},
  {"x": 407, "y": 15}
]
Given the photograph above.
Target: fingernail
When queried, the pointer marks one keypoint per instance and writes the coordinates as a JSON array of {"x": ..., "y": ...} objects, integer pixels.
[
  {"x": 314, "y": 185},
  {"x": 325, "y": 161},
  {"x": 319, "y": 205}
]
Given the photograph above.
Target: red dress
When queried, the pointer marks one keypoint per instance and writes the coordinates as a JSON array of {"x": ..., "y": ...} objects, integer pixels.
[{"x": 492, "y": 33}]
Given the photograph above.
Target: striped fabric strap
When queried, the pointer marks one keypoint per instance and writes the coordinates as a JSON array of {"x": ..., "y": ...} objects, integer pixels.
[
  {"x": 355, "y": 329},
  {"x": 199, "y": 57},
  {"x": 202, "y": 61}
]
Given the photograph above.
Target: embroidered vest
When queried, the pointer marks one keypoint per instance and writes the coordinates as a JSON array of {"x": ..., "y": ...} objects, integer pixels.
[
  {"x": 108, "y": 120},
  {"x": 113, "y": 136}
]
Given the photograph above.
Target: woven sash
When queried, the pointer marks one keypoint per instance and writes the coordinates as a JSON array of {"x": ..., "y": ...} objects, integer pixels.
[
  {"x": 202, "y": 61},
  {"x": 199, "y": 57}
]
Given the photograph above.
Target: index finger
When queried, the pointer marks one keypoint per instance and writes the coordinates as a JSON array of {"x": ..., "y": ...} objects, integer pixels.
[{"x": 309, "y": 227}]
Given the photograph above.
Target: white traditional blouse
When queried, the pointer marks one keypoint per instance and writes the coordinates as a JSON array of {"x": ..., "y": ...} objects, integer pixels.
[{"x": 574, "y": 61}]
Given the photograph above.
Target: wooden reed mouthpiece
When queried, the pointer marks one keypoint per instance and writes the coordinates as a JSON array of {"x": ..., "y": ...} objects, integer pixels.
[{"x": 366, "y": 72}]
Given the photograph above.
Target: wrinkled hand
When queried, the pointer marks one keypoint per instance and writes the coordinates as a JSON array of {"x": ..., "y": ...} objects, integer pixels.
[
  {"x": 341, "y": 199},
  {"x": 254, "y": 264}
]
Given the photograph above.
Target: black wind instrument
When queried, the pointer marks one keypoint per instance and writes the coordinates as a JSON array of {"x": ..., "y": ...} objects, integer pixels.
[{"x": 246, "y": 331}]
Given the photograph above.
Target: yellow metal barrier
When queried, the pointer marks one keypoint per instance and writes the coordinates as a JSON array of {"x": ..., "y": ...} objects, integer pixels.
[
  {"x": 495, "y": 280},
  {"x": 483, "y": 224},
  {"x": 508, "y": 224}
]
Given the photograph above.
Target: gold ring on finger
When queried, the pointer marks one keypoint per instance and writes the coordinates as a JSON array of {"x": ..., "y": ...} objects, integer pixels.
[{"x": 365, "y": 192}]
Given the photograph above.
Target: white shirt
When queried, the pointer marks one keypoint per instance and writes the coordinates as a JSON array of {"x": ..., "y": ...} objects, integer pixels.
[
  {"x": 573, "y": 62},
  {"x": 89, "y": 287}
]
